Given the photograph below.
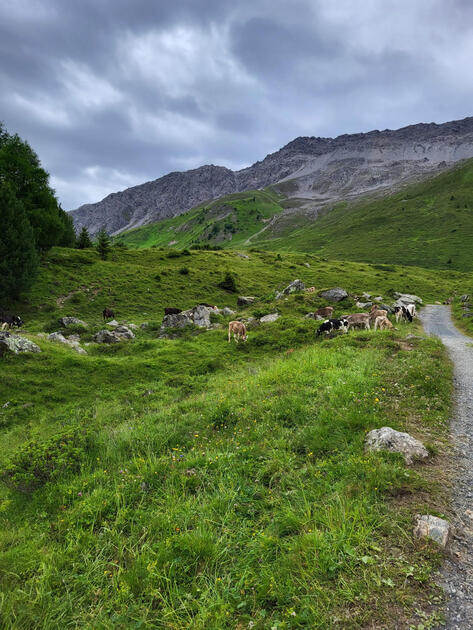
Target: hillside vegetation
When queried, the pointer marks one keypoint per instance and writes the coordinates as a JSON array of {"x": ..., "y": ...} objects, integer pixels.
[
  {"x": 428, "y": 224},
  {"x": 191, "y": 483}
]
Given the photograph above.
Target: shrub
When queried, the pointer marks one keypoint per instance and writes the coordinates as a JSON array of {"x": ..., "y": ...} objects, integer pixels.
[
  {"x": 228, "y": 283},
  {"x": 174, "y": 253},
  {"x": 184, "y": 271},
  {"x": 36, "y": 463},
  {"x": 157, "y": 277}
]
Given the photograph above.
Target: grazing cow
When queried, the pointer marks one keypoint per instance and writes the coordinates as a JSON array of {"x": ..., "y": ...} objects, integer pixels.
[
  {"x": 377, "y": 312},
  {"x": 382, "y": 322},
  {"x": 358, "y": 319},
  {"x": 170, "y": 310},
  {"x": 238, "y": 329},
  {"x": 333, "y": 324},
  {"x": 411, "y": 308},
  {"x": 310, "y": 290},
  {"x": 324, "y": 313},
  {"x": 404, "y": 312},
  {"x": 8, "y": 321},
  {"x": 107, "y": 313}
]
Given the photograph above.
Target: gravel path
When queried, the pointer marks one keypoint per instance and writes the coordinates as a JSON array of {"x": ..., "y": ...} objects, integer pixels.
[{"x": 457, "y": 574}]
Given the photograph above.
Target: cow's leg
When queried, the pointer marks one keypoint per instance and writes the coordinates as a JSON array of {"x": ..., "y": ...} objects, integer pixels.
[{"x": 229, "y": 335}]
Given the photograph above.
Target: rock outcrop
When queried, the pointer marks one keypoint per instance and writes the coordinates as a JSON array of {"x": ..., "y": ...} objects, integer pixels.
[
  {"x": 197, "y": 316},
  {"x": 296, "y": 285},
  {"x": 120, "y": 333},
  {"x": 16, "y": 344},
  {"x": 71, "y": 341},
  {"x": 71, "y": 321}
]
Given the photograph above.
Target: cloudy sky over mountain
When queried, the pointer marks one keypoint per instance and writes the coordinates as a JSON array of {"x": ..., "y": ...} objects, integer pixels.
[{"x": 113, "y": 93}]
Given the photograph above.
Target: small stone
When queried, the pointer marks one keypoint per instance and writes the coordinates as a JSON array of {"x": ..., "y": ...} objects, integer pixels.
[
  {"x": 388, "y": 439},
  {"x": 6, "y": 404},
  {"x": 433, "y": 527}
]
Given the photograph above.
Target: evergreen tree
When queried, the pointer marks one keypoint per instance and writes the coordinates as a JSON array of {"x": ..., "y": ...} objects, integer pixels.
[
  {"x": 18, "y": 257},
  {"x": 103, "y": 244},
  {"x": 83, "y": 240}
]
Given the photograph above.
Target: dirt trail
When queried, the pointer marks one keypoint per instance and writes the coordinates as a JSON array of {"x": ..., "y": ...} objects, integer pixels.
[{"x": 457, "y": 574}]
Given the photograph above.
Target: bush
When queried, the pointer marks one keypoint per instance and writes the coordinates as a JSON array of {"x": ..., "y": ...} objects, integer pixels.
[
  {"x": 36, "y": 463},
  {"x": 228, "y": 283},
  {"x": 157, "y": 277},
  {"x": 184, "y": 271}
]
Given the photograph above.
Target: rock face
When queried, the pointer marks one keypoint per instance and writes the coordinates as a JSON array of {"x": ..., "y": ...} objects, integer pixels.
[
  {"x": 317, "y": 170},
  {"x": 296, "y": 285},
  {"x": 334, "y": 295},
  {"x": 71, "y": 321},
  {"x": 198, "y": 316},
  {"x": 72, "y": 341},
  {"x": 245, "y": 300},
  {"x": 16, "y": 344},
  {"x": 387, "y": 439},
  {"x": 272, "y": 317},
  {"x": 433, "y": 527}
]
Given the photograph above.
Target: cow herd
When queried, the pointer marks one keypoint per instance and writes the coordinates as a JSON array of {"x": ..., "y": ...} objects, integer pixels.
[{"x": 377, "y": 316}]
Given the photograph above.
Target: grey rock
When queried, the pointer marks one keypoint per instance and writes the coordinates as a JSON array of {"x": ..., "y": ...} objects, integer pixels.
[
  {"x": 201, "y": 316},
  {"x": 113, "y": 323},
  {"x": 386, "y": 307},
  {"x": 123, "y": 332},
  {"x": 378, "y": 299},
  {"x": 319, "y": 171},
  {"x": 227, "y": 311},
  {"x": 334, "y": 295},
  {"x": 246, "y": 300},
  {"x": 132, "y": 326},
  {"x": 407, "y": 298},
  {"x": 197, "y": 316},
  {"x": 464, "y": 298},
  {"x": 272, "y": 317},
  {"x": 364, "y": 305},
  {"x": 243, "y": 256},
  {"x": 467, "y": 315},
  {"x": 16, "y": 344},
  {"x": 367, "y": 296},
  {"x": 106, "y": 336},
  {"x": 71, "y": 321},
  {"x": 144, "y": 325},
  {"x": 307, "y": 265},
  {"x": 72, "y": 341},
  {"x": 387, "y": 439},
  {"x": 296, "y": 285},
  {"x": 428, "y": 526}
]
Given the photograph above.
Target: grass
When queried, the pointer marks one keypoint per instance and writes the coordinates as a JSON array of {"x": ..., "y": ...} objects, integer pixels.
[{"x": 192, "y": 483}]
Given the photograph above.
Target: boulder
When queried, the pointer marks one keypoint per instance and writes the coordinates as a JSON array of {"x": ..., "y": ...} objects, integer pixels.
[
  {"x": 245, "y": 300},
  {"x": 387, "y": 439},
  {"x": 132, "y": 326},
  {"x": 16, "y": 344},
  {"x": 227, "y": 311},
  {"x": 106, "y": 336},
  {"x": 464, "y": 298},
  {"x": 296, "y": 285},
  {"x": 113, "y": 323},
  {"x": 378, "y": 299},
  {"x": 334, "y": 295},
  {"x": 272, "y": 317},
  {"x": 198, "y": 316},
  {"x": 71, "y": 321},
  {"x": 201, "y": 316},
  {"x": 467, "y": 315},
  {"x": 364, "y": 305},
  {"x": 428, "y": 526},
  {"x": 407, "y": 298},
  {"x": 123, "y": 332},
  {"x": 367, "y": 296}
]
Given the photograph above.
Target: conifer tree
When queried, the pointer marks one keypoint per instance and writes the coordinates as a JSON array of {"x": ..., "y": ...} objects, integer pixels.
[
  {"x": 103, "y": 244},
  {"x": 83, "y": 240},
  {"x": 18, "y": 257}
]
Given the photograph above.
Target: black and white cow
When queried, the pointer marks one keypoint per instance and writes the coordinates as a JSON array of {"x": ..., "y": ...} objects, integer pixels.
[
  {"x": 333, "y": 324},
  {"x": 8, "y": 321},
  {"x": 407, "y": 312}
]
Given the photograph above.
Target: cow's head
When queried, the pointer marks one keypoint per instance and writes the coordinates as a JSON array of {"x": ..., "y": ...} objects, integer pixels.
[{"x": 17, "y": 321}]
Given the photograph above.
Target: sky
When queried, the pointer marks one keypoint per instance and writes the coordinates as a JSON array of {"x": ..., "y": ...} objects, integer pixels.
[{"x": 113, "y": 93}]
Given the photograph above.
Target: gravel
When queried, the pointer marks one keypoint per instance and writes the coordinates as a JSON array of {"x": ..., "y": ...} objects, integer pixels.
[{"x": 456, "y": 577}]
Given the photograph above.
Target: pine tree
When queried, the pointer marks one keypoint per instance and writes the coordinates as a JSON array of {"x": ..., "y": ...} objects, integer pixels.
[
  {"x": 18, "y": 257},
  {"x": 83, "y": 240},
  {"x": 103, "y": 244}
]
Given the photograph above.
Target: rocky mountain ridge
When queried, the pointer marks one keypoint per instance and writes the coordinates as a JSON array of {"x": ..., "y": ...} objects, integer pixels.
[{"x": 312, "y": 171}]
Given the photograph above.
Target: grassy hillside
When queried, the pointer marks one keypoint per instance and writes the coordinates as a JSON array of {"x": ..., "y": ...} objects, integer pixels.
[
  {"x": 429, "y": 224},
  {"x": 230, "y": 220},
  {"x": 189, "y": 483}
]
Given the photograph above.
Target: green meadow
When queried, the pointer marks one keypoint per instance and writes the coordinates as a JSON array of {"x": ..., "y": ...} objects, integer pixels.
[{"x": 190, "y": 483}]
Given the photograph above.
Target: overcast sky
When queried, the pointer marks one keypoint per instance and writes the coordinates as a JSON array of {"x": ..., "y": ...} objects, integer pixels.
[{"x": 113, "y": 93}]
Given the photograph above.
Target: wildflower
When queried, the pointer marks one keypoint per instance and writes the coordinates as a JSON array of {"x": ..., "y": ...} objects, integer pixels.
[{"x": 79, "y": 494}]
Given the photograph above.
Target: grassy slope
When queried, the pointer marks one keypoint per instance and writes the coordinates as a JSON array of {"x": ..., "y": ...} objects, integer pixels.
[
  {"x": 223, "y": 484},
  {"x": 227, "y": 221},
  {"x": 428, "y": 224}
]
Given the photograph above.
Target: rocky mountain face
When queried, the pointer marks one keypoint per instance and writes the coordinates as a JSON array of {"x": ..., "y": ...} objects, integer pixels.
[{"x": 315, "y": 171}]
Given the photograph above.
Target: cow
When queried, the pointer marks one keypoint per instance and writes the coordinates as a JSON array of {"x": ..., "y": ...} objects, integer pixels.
[
  {"x": 382, "y": 322},
  {"x": 107, "y": 313},
  {"x": 310, "y": 290},
  {"x": 332, "y": 324},
  {"x": 358, "y": 319},
  {"x": 170, "y": 310},
  {"x": 377, "y": 312},
  {"x": 324, "y": 313},
  {"x": 404, "y": 312},
  {"x": 238, "y": 329},
  {"x": 8, "y": 321}
]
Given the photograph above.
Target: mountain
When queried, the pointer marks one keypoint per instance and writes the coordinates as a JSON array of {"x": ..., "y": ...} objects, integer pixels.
[{"x": 313, "y": 172}]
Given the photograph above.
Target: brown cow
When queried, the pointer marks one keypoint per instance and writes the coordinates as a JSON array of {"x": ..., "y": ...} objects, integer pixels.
[
  {"x": 377, "y": 312},
  {"x": 107, "y": 313},
  {"x": 358, "y": 319},
  {"x": 170, "y": 310},
  {"x": 324, "y": 313},
  {"x": 310, "y": 290},
  {"x": 382, "y": 322},
  {"x": 238, "y": 329}
]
